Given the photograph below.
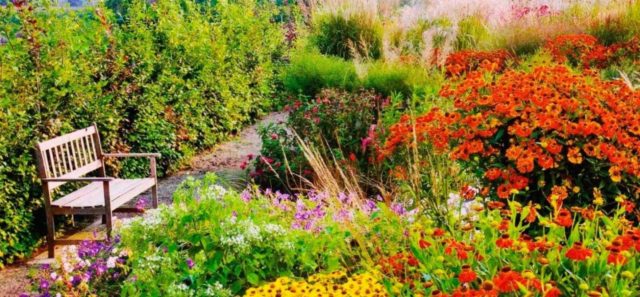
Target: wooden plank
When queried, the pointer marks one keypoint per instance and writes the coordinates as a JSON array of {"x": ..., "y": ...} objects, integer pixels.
[
  {"x": 77, "y": 152},
  {"x": 56, "y": 161},
  {"x": 66, "y": 157},
  {"x": 50, "y": 167},
  {"x": 140, "y": 187},
  {"x": 77, "y": 173},
  {"x": 91, "y": 196},
  {"x": 66, "y": 138}
]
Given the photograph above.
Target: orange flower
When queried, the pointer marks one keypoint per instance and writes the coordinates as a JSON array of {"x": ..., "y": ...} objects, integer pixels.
[
  {"x": 493, "y": 174},
  {"x": 574, "y": 156}
]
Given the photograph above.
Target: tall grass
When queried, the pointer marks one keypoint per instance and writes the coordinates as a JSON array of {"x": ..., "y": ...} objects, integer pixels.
[{"x": 428, "y": 28}]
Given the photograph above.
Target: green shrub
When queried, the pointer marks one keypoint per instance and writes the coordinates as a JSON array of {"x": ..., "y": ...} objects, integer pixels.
[
  {"x": 357, "y": 35},
  {"x": 309, "y": 72},
  {"x": 169, "y": 77},
  {"x": 388, "y": 79}
]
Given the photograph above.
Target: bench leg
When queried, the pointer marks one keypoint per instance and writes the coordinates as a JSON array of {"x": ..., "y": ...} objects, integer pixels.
[
  {"x": 108, "y": 217},
  {"x": 154, "y": 196},
  {"x": 50, "y": 234}
]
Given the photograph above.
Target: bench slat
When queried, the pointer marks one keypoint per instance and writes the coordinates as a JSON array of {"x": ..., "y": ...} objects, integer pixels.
[
  {"x": 90, "y": 196},
  {"x": 77, "y": 173},
  {"x": 45, "y": 145}
]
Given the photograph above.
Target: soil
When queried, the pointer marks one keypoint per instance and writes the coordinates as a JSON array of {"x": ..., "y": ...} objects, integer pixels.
[{"x": 224, "y": 160}]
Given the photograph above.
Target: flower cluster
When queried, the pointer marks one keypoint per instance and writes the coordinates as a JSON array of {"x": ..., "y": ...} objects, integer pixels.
[
  {"x": 332, "y": 284},
  {"x": 496, "y": 257},
  {"x": 586, "y": 51},
  {"x": 82, "y": 270},
  {"x": 470, "y": 60},
  {"x": 546, "y": 135}
]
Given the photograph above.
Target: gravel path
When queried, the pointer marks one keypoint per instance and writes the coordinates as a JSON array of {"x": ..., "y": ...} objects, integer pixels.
[{"x": 224, "y": 159}]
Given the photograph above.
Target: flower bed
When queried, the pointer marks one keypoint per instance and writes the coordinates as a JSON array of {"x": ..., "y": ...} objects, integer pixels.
[{"x": 548, "y": 136}]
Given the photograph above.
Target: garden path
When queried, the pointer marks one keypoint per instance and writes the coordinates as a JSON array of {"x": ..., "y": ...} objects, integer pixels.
[{"x": 224, "y": 159}]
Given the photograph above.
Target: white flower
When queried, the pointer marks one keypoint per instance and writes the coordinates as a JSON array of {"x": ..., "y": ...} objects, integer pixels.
[{"x": 111, "y": 262}]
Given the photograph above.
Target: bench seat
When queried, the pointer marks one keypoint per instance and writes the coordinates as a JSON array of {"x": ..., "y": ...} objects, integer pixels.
[{"x": 92, "y": 195}]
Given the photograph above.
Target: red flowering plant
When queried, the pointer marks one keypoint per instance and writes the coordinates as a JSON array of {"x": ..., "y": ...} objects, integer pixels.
[
  {"x": 548, "y": 136},
  {"x": 490, "y": 254},
  {"x": 584, "y": 50},
  {"x": 466, "y": 61}
]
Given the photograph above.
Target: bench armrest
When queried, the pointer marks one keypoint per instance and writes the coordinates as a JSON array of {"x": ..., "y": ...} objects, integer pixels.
[
  {"x": 131, "y": 155},
  {"x": 78, "y": 179}
]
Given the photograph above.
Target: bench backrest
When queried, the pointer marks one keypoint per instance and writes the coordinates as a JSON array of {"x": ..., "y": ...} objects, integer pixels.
[{"x": 71, "y": 155}]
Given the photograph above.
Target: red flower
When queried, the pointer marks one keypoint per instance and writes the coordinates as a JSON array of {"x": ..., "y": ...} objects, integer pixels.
[
  {"x": 504, "y": 241},
  {"x": 423, "y": 244},
  {"x": 553, "y": 291},
  {"x": 488, "y": 289},
  {"x": 563, "y": 218},
  {"x": 508, "y": 280},
  {"x": 615, "y": 257},
  {"x": 467, "y": 275},
  {"x": 438, "y": 232},
  {"x": 578, "y": 253}
]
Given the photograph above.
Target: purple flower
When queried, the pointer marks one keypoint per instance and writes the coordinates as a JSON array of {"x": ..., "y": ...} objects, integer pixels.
[
  {"x": 246, "y": 196},
  {"x": 141, "y": 204},
  {"x": 398, "y": 208},
  {"x": 44, "y": 285},
  {"x": 369, "y": 206},
  {"x": 76, "y": 280},
  {"x": 343, "y": 215},
  {"x": 190, "y": 263}
]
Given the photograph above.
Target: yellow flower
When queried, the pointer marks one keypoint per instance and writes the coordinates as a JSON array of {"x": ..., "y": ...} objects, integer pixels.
[
  {"x": 583, "y": 286},
  {"x": 597, "y": 197},
  {"x": 627, "y": 274},
  {"x": 615, "y": 173}
]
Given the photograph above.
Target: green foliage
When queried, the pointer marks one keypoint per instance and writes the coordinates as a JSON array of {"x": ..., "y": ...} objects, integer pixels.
[
  {"x": 169, "y": 77},
  {"x": 356, "y": 35},
  {"x": 231, "y": 242},
  {"x": 388, "y": 79},
  {"x": 281, "y": 162},
  {"x": 311, "y": 72}
]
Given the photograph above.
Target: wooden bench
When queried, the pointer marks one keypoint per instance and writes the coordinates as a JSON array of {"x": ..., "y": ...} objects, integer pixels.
[{"x": 68, "y": 158}]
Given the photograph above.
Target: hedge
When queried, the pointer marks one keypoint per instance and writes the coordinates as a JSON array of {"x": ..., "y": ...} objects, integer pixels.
[{"x": 173, "y": 77}]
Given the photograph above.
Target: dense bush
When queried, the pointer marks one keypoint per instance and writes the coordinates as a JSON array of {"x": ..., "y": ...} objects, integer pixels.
[
  {"x": 547, "y": 136},
  {"x": 348, "y": 36},
  {"x": 169, "y": 77}
]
